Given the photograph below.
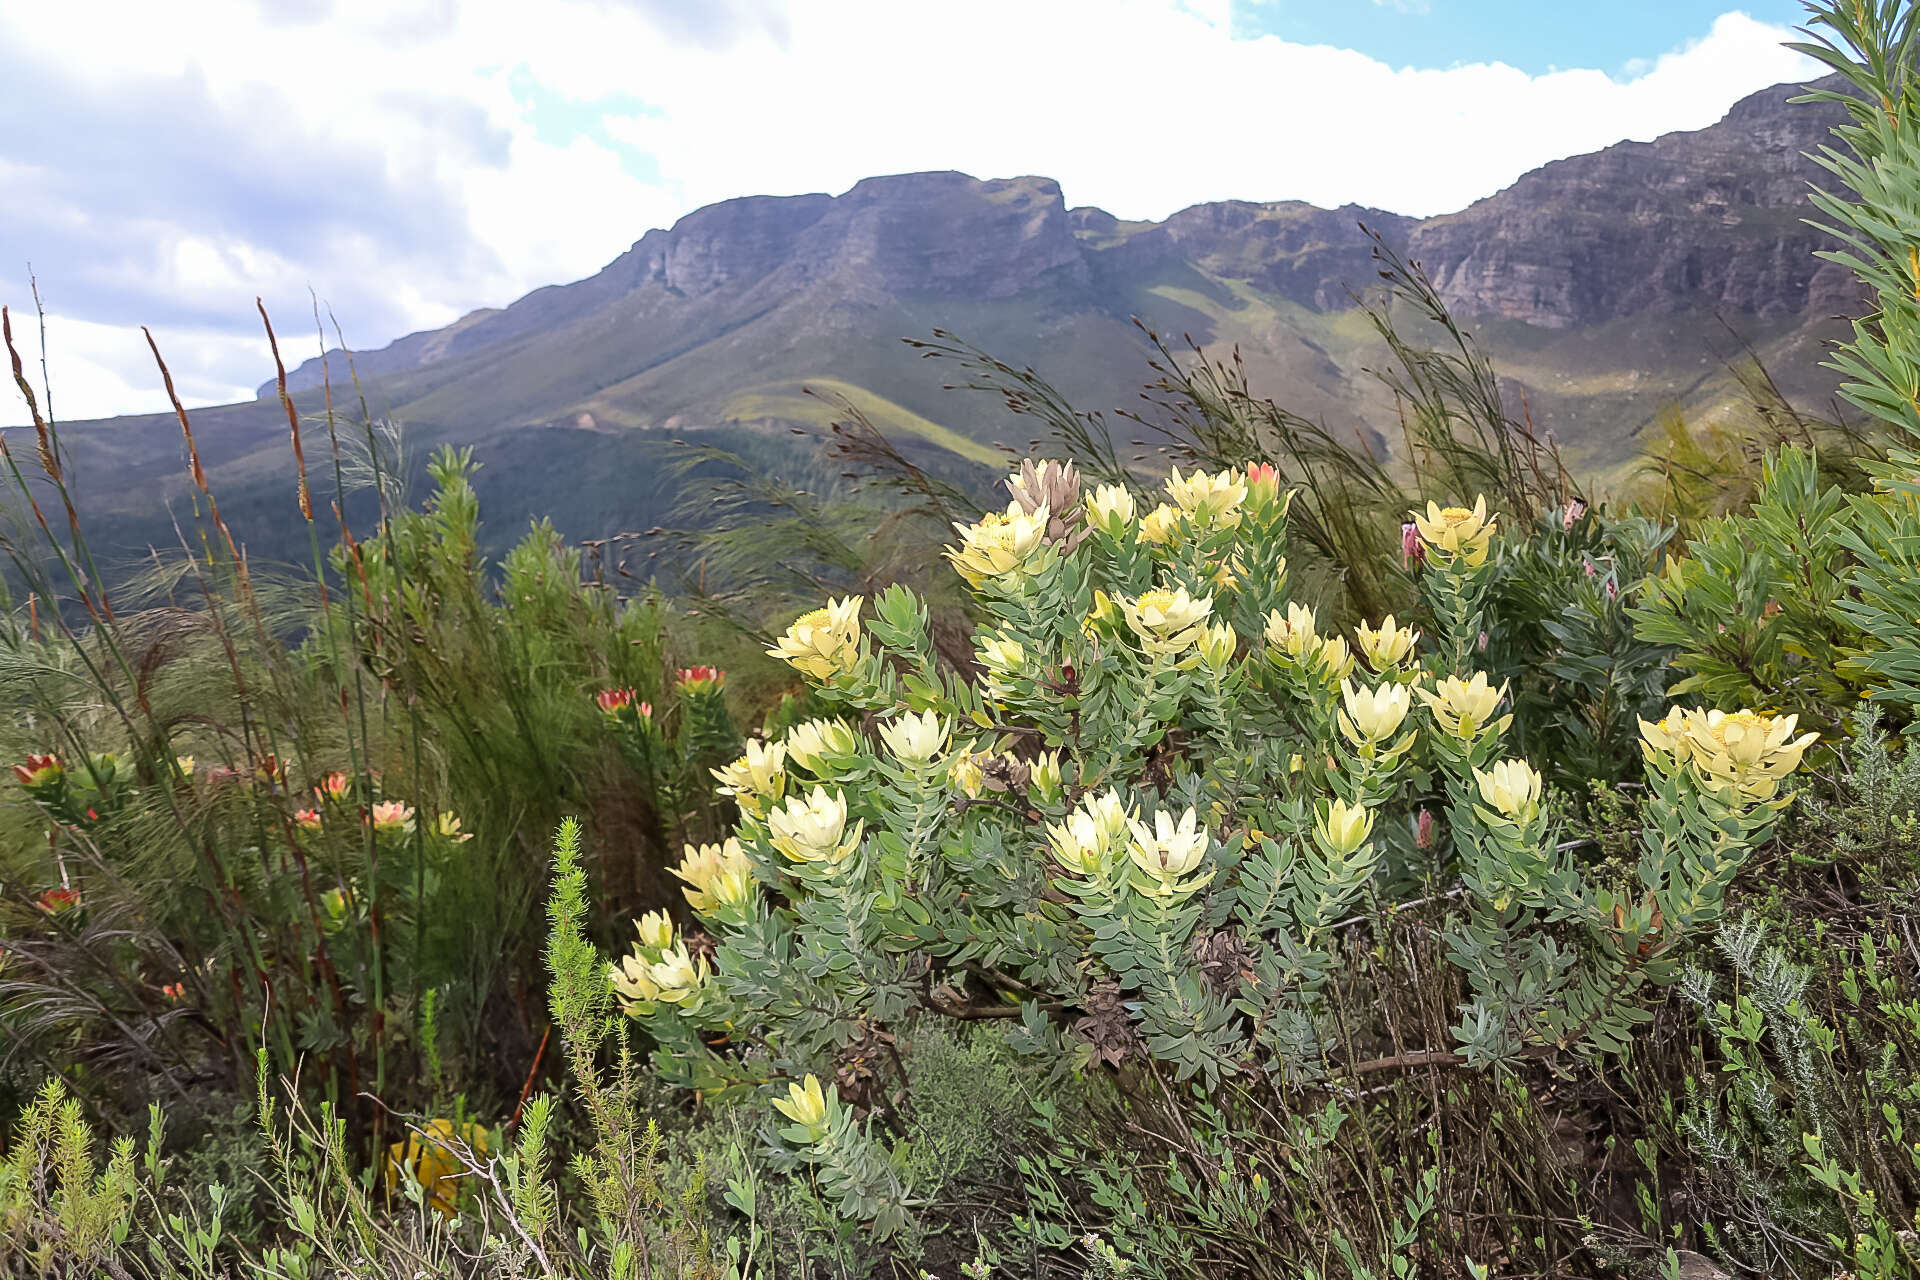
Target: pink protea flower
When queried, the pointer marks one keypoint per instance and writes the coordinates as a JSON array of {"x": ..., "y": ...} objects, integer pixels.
[
  {"x": 39, "y": 770},
  {"x": 614, "y": 701},
  {"x": 174, "y": 990},
  {"x": 307, "y": 819},
  {"x": 1412, "y": 550},
  {"x": 391, "y": 815},
  {"x": 1575, "y": 509},
  {"x": 701, "y": 679},
  {"x": 334, "y": 786},
  {"x": 1423, "y": 830},
  {"x": 1263, "y": 482}
]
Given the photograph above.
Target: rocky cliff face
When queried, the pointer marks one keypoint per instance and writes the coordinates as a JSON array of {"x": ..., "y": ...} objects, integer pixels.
[{"x": 1707, "y": 219}]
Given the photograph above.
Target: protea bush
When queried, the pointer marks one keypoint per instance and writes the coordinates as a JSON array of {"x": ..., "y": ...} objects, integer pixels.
[{"x": 1134, "y": 830}]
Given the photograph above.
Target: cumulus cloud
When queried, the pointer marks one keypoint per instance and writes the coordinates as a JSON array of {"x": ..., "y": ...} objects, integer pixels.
[{"x": 409, "y": 160}]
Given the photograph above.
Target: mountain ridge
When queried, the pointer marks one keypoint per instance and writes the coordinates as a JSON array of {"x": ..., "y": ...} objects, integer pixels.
[
  {"x": 1598, "y": 283},
  {"x": 1498, "y": 256}
]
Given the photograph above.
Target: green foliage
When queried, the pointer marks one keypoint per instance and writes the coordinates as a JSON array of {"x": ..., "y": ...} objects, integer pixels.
[{"x": 1750, "y": 609}]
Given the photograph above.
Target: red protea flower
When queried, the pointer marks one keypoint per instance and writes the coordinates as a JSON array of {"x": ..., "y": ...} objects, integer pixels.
[
  {"x": 1412, "y": 550},
  {"x": 334, "y": 786},
  {"x": 614, "y": 701},
  {"x": 56, "y": 901},
  {"x": 308, "y": 819},
  {"x": 39, "y": 770},
  {"x": 701, "y": 679},
  {"x": 174, "y": 990}
]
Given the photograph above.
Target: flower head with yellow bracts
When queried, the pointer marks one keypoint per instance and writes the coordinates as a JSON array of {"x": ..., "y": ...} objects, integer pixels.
[
  {"x": 1208, "y": 499},
  {"x": 1451, "y": 533},
  {"x": 757, "y": 778},
  {"x": 1169, "y": 851},
  {"x": 1292, "y": 632},
  {"x": 1158, "y": 525},
  {"x": 813, "y": 743},
  {"x": 1388, "y": 645},
  {"x": 1111, "y": 508},
  {"x": 1744, "y": 754},
  {"x": 813, "y": 828},
  {"x": 675, "y": 978},
  {"x": 914, "y": 739},
  {"x": 1343, "y": 828},
  {"x": 805, "y": 1105},
  {"x": 1462, "y": 708},
  {"x": 822, "y": 643},
  {"x": 1511, "y": 788},
  {"x": 1372, "y": 716},
  {"x": 1085, "y": 841},
  {"x": 1000, "y": 544},
  {"x": 717, "y": 875},
  {"x": 1167, "y": 622}
]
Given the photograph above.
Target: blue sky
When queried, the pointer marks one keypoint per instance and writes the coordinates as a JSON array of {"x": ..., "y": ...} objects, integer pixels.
[
  {"x": 408, "y": 161},
  {"x": 1535, "y": 36}
]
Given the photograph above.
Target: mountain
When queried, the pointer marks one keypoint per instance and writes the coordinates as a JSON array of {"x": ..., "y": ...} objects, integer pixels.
[{"x": 1609, "y": 287}]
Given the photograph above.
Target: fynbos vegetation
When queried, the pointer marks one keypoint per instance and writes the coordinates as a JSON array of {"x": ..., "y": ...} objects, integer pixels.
[{"x": 1276, "y": 862}]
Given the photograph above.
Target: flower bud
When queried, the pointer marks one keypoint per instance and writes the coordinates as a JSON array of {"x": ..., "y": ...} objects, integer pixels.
[{"x": 1343, "y": 828}]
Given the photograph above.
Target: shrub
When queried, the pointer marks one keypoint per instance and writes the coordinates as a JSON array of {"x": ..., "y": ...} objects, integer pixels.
[{"x": 1135, "y": 835}]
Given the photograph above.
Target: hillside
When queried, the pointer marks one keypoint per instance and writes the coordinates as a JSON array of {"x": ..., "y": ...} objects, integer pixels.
[{"x": 1608, "y": 286}]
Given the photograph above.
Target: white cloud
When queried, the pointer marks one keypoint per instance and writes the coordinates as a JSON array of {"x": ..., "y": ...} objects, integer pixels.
[{"x": 183, "y": 158}]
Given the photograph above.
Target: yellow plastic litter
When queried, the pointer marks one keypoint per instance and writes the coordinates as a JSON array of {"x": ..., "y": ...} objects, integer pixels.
[{"x": 428, "y": 1157}]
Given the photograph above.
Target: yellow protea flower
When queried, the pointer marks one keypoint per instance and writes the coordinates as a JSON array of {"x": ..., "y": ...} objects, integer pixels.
[
  {"x": 1167, "y": 622},
  {"x": 655, "y": 930},
  {"x": 1111, "y": 507},
  {"x": 1084, "y": 841},
  {"x": 184, "y": 764},
  {"x": 1292, "y": 633},
  {"x": 1343, "y": 827},
  {"x": 1169, "y": 850},
  {"x": 1451, "y": 532},
  {"x": 1333, "y": 659},
  {"x": 1745, "y": 753},
  {"x": 915, "y": 739},
  {"x": 1373, "y": 715},
  {"x": 757, "y": 778},
  {"x": 1045, "y": 776},
  {"x": 805, "y": 1105},
  {"x": 823, "y": 643},
  {"x": 813, "y": 828},
  {"x": 1217, "y": 644},
  {"x": 705, "y": 867},
  {"x": 813, "y": 742},
  {"x": 1158, "y": 525},
  {"x": 448, "y": 827},
  {"x": 429, "y": 1158},
  {"x": 675, "y": 978},
  {"x": 1462, "y": 708},
  {"x": 1000, "y": 544},
  {"x": 1005, "y": 661},
  {"x": 967, "y": 774},
  {"x": 1511, "y": 788},
  {"x": 1208, "y": 499},
  {"x": 1387, "y": 645}
]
